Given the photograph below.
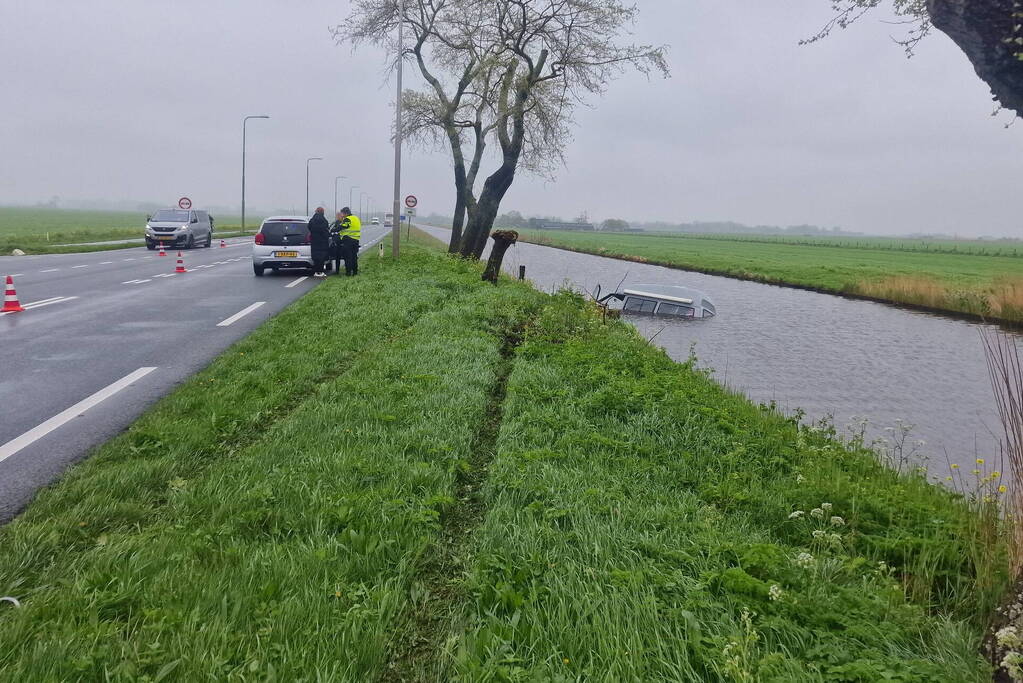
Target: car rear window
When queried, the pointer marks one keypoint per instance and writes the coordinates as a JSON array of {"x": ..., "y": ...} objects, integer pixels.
[{"x": 278, "y": 229}]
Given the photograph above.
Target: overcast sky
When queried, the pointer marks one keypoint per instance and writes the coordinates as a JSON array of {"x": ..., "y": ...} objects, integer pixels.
[{"x": 143, "y": 100}]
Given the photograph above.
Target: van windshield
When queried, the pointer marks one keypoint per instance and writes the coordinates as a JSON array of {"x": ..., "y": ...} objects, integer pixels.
[{"x": 170, "y": 216}]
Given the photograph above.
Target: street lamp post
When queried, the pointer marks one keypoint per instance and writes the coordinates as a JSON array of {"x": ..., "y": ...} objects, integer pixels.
[
  {"x": 396, "y": 223},
  {"x": 361, "y": 209},
  {"x": 350, "y": 195},
  {"x": 244, "y": 123},
  {"x": 340, "y": 177},
  {"x": 307, "y": 181}
]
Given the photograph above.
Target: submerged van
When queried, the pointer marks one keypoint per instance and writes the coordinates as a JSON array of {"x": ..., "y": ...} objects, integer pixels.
[{"x": 179, "y": 228}]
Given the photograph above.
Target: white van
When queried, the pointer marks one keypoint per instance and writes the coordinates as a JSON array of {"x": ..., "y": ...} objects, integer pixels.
[{"x": 179, "y": 228}]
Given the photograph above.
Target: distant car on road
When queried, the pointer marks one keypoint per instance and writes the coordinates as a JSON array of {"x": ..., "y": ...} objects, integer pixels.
[
  {"x": 375, "y": 221},
  {"x": 179, "y": 228},
  {"x": 283, "y": 243},
  {"x": 388, "y": 220}
]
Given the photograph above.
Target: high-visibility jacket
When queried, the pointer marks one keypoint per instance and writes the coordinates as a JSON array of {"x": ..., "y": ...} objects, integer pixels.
[{"x": 351, "y": 227}]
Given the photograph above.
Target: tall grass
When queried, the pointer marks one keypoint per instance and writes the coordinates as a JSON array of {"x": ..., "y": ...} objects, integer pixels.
[{"x": 1002, "y": 298}]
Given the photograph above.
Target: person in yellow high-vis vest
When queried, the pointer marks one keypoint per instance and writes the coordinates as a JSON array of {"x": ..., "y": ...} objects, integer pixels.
[{"x": 351, "y": 233}]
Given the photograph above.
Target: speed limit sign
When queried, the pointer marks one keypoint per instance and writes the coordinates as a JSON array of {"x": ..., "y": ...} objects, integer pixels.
[
  {"x": 411, "y": 201},
  {"x": 184, "y": 203}
]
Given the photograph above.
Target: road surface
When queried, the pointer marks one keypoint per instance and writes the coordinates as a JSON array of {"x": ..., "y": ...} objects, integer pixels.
[{"x": 108, "y": 333}]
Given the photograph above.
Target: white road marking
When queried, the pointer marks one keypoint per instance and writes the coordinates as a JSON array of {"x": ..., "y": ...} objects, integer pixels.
[
  {"x": 240, "y": 314},
  {"x": 105, "y": 263},
  {"x": 135, "y": 282},
  {"x": 127, "y": 259},
  {"x": 16, "y": 274},
  {"x": 60, "y": 419},
  {"x": 50, "y": 270},
  {"x": 295, "y": 282},
  {"x": 82, "y": 266},
  {"x": 165, "y": 275},
  {"x": 44, "y": 302}
]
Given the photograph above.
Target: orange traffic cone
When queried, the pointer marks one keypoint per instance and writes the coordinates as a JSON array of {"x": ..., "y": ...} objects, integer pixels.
[
  {"x": 223, "y": 244},
  {"x": 162, "y": 252},
  {"x": 11, "y": 304},
  {"x": 181, "y": 265}
]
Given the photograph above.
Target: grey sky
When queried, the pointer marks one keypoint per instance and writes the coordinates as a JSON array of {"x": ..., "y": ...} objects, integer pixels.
[{"x": 130, "y": 100}]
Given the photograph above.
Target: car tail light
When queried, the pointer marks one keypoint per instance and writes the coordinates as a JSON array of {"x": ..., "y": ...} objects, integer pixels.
[{"x": 259, "y": 238}]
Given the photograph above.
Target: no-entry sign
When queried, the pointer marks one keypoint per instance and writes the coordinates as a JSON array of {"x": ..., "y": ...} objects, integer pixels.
[
  {"x": 184, "y": 203},
  {"x": 411, "y": 201}
]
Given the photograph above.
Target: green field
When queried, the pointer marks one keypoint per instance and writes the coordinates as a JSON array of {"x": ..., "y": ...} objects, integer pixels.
[
  {"x": 414, "y": 475},
  {"x": 39, "y": 230},
  {"x": 918, "y": 273}
]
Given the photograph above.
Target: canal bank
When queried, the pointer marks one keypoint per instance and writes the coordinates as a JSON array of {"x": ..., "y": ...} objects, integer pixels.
[{"x": 897, "y": 375}]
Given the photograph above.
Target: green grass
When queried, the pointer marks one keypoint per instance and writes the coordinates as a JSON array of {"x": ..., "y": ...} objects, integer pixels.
[
  {"x": 414, "y": 475},
  {"x": 961, "y": 282},
  {"x": 42, "y": 231}
]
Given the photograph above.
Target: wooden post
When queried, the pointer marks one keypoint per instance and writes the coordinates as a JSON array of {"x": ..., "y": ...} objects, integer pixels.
[{"x": 502, "y": 240}]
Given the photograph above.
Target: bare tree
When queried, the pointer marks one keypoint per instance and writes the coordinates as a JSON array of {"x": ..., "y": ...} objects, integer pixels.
[
  {"x": 989, "y": 32},
  {"x": 508, "y": 72}
]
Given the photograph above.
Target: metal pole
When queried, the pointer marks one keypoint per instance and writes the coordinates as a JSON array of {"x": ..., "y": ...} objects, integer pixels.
[
  {"x": 350, "y": 190},
  {"x": 396, "y": 223},
  {"x": 337, "y": 178},
  {"x": 307, "y": 181},
  {"x": 245, "y": 122},
  {"x": 361, "y": 210}
]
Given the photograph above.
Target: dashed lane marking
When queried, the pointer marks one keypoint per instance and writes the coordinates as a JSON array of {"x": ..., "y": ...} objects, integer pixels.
[
  {"x": 50, "y": 270},
  {"x": 240, "y": 314},
  {"x": 86, "y": 265},
  {"x": 62, "y": 418},
  {"x": 135, "y": 282},
  {"x": 296, "y": 281}
]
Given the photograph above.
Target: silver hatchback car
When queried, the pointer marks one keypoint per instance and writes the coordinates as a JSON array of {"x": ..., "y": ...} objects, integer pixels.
[{"x": 282, "y": 243}]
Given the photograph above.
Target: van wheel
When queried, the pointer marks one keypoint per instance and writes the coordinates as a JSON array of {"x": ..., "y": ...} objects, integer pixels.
[
  {"x": 190, "y": 244},
  {"x": 258, "y": 270},
  {"x": 150, "y": 247},
  {"x": 209, "y": 240}
]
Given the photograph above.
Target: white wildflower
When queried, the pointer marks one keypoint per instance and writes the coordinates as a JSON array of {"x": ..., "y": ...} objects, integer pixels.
[
  {"x": 1008, "y": 637},
  {"x": 837, "y": 521},
  {"x": 1013, "y": 665},
  {"x": 804, "y": 560},
  {"x": 835, "y": 538},
  {"x": 800, "y": 479},
  {"x": 818, "y": 534},
  {"x": 775, "y": 592},
  {"x": 817, "y": 513},
  {"x": 796, "y": 515},
  {"x": 826, "y": 507},
  {"x": 882, "y": 567}
]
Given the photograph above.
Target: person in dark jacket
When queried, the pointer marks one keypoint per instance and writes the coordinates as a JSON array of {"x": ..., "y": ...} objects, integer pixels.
[
  {"x": 336, "y": 249},
  {"x": 319, "y": 239}
]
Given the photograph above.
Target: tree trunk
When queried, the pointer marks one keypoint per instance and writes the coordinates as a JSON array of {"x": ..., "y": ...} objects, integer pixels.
[
  {"x": 986, "y": 31},
  {"x": 502, "y": 240},
  {"x": 481, "y": 220},
  {"x": 457, "y": 222}
]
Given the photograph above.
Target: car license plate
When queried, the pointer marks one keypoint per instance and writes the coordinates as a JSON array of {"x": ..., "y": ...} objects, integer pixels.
[{"x": 286, "y": 254}]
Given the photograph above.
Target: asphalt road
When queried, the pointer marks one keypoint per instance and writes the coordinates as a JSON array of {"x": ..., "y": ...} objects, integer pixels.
[{"x": 108, "y": 333}]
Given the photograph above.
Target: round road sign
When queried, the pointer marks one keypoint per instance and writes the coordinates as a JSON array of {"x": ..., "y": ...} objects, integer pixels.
[
  {"x": 411, "y": 201},
  {"x": 184, "y": 203}
]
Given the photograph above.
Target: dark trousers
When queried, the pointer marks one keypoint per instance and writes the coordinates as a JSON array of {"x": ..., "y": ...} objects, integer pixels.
[
  {"x": 336, "y": 254},
  {"x": 350, "y": 254}
]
